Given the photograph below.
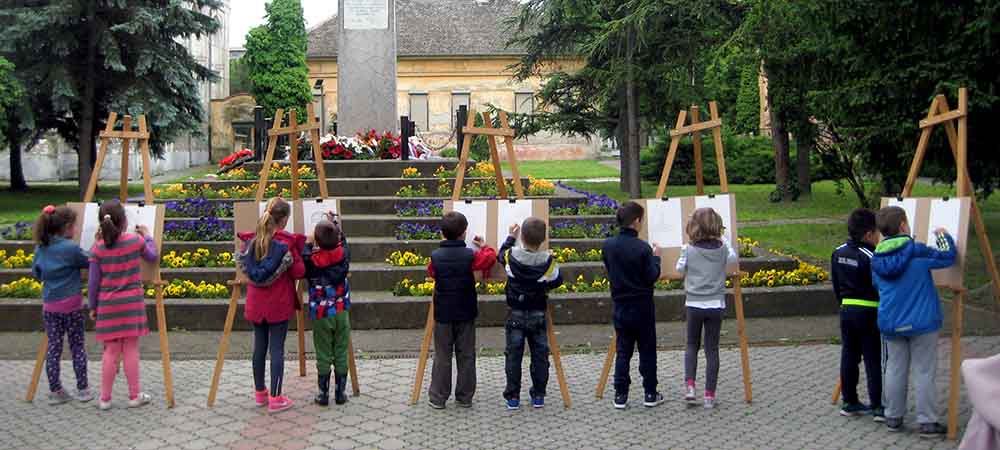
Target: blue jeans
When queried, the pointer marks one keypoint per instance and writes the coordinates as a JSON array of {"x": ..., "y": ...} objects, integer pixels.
[{"x": 527, "y": 326}]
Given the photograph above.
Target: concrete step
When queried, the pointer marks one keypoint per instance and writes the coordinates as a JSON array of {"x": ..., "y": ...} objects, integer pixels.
[
  {"x": 379, "y": 310},
  {"x": 387, "y": 204},
  {"x": 370, "y": 169},
  {"x": 352, "y": 187}
]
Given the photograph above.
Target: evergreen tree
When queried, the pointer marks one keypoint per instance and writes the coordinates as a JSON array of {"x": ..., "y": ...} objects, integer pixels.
[
  {"x": 11, "y": 94},
  {"x": 276, "y": 59}
]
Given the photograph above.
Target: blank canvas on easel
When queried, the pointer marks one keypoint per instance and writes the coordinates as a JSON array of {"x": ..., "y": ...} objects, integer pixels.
[{"x": 666, "y": 222}]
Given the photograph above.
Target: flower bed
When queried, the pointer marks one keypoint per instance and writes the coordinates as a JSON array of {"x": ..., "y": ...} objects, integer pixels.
[
  {"x": 189, "y": 289},
  {"x": 581, "y": 230},
  {"x": 410, "y": 172},
  {"x": 198, "y": 207},
  {"x": 407, "y": 259},
  {"x": 369, "y": 145},
  {"x": 277, "y": 172},
  {"x": 746, "y": 246},
  {"x": 19, "y": 260},
  {"x": 595, "y": 205},
  {"x": 417, "y": 232},
  {"x": 412, "y": 191},
  {"x": 23, "y": 287},
  {"x": 428, "y": 208},
  {"x": 20, "y": 231},
  {"x": 182, "y": 191},
  {"x": 569, "y": 254},
  {"x": 201, "y": 257},
  {"x": 204, "y": 229},
  {"x": 407, "y": 288}
]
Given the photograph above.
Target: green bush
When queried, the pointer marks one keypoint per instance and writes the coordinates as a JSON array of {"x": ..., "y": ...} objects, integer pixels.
[{"x": 450, "y": 152}]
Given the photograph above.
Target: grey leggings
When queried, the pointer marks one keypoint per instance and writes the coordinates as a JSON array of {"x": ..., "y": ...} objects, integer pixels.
[{"x": 711, "y": 321}]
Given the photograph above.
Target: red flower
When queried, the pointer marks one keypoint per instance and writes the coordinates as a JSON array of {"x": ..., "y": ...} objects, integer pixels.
[{"x": 348, "y": 154}]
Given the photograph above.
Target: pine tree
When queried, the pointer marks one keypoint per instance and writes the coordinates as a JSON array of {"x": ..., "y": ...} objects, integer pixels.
[{"x": 276, "y": 59}]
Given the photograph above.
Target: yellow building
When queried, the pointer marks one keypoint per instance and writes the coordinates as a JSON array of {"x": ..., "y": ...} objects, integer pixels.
[{"x": 450, "y": 53}]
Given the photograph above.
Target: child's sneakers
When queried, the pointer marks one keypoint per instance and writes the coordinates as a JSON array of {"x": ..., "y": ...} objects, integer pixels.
[
  {"x": 932, "y": 430},
  {"x": 140, "y": 400},
  {"x": 709, "y": 400},
  {"x": 537, "y": 402},
  {"x": 58, "y": 397},
  {"x": 621, "y": 400},
  {"x": 894, "y": 424},
  {"x": 278, "y": 404},
  {"x": 652, "y": 399},
  {"x": 854, "y": 409},
  {"x": 513, "y": 404},
  {"x": 104, "y": 405},
  {"x": 434, "y": 405},
  {"x": 689, "y": 396},
  {"x": 84, "y": 395},
  {"x": 261, "y": 398},
  {"x": 878, "y": 414}
]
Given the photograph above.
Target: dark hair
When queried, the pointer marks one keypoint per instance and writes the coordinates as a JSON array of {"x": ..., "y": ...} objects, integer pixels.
[
  {"x": 112, "y": 215},
  {"x": 889, "y": 220},
  {"x": 705, "y": 224},
  {"x": 628, "y": 213},
  {"x": 327, "y": 234},
  {"x": 276, "y": 211},
  {"x": 533, "y": 232},
  {"x": 453, "y": 224},
  {"x": 859, "y": 223},
  {"x": 53, "y": 222}
]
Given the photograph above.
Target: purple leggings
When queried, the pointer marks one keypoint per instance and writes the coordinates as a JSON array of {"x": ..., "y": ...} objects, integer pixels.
[{"x": 72, "y": 325}]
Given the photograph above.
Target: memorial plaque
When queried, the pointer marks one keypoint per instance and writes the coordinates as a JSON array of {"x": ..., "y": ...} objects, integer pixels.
[{"x": 366, "y": 14}]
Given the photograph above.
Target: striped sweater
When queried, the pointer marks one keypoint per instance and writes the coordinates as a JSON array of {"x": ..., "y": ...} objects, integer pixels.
[{"x": 115, "y": 287}]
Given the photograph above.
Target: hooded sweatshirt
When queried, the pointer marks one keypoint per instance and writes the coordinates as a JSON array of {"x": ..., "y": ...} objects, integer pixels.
[
  {"x": 326, "y": 271},
  {"x": 530, "y": 276},
  {"x": 703, "y": 264},
  {"x": 271, "y": 295},
  {"x": 908, "y": 301}
]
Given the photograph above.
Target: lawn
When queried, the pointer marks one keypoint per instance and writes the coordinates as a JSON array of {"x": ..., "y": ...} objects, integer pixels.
[
  {"x": 565, "y": 170},
  {"x": 25, "y": 206}
]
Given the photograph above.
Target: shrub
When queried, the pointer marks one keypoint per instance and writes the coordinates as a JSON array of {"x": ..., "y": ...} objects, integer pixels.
[{"x": 450, "y": 152}]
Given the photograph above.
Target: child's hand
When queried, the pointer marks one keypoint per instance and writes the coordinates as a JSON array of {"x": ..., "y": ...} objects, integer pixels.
[
  {"x": 514, "y": 230},
  {"x": 940, "y": 230},
  {"x": 657, "y": 251},
  {"x": 310, "y": 239},
  {"x": 142, "y": 230},
  {"x": 479, "y": 241},
  {"x": 93, "y": 315}
]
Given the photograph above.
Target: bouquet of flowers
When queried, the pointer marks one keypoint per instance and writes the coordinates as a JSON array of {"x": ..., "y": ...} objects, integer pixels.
[{"x": 235, "y": 160}]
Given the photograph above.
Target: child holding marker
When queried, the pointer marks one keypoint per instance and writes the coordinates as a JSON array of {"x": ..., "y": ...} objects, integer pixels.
[
  {"x": 57, "y": 264},
  {"x": 453, "y": 268},
  {"x": 633, "y": 268},
  {"x": 703, "y": 263},
  {"x": 272, "y": 261},
  {"x": 909, "y": 317},
  {"x": 531, "y": 274},
  {"x": 116, "y": 298},
  {"x": 327, "y": 260}
]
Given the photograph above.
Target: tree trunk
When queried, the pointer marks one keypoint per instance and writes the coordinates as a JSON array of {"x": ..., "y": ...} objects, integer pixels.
[
  {"x": 804, "y": 150},
  {"x": 782, "y": 159},
  {"x": 621, "y": 135},
  {"x": 634, "y": 183},
  {"x": 15, "y": 141},
  {"x": 85, "y": 143}
]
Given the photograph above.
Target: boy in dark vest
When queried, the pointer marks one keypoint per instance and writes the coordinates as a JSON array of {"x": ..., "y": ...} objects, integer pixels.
[
  {"x": 453, "y": 267},
  {"x": 633, "y": 268}
]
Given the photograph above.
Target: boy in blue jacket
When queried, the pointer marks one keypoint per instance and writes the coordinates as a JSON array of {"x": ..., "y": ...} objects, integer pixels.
[{"x": 909, "y": 317}]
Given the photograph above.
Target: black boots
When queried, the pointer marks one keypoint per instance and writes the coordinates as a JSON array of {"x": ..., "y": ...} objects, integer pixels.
[
  {"x": 339, "y": 396},
  {"x": 323, "y": 397}
]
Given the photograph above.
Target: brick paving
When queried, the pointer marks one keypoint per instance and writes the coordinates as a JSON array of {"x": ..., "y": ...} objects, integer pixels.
[{"x": 791, "y": 410}]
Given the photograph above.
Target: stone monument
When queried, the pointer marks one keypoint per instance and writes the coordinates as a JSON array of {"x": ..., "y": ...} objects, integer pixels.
[{"x": 366, "y": 66}]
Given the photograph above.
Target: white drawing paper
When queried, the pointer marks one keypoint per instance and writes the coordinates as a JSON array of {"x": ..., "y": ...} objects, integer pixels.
[
  {"x": 945, "y": 214},
  {"x": 141, "y": 215},
  {"x": 314, "y": 211},
  {"x": 910, "y": 206},
  {"x": 722, "y": 205},
  {"x": 90, "y": 225},
  {"x": 290, "y": 226},
  {"x": 509, "y": 213},
  {"x": 665, "y": 223},
  {"x": 475, "y": 213}
]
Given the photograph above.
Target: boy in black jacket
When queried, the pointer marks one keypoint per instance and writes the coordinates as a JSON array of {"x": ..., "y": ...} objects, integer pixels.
[
  {"x": 851, "y": 273},
  {"x": 453, "y": 268},
  {"x": 531, "y": 274},
  {"x": 633, "y": 268}
]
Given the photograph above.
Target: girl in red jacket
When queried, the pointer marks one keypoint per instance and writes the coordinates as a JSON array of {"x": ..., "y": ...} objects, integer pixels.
[{"x": 271, "y": 259}]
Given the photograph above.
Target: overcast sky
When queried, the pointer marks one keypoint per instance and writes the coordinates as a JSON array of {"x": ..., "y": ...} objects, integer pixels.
[{"x": 246, "y": 14}]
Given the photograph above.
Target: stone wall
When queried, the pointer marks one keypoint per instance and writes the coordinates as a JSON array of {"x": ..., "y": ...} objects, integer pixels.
[{"x": 225, "y": 111}]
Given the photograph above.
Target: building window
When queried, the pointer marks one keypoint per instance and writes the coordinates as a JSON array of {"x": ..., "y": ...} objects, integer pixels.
[
  {"x": 419, "y": 112},
  {"x": 319, "y": 105},
  {"x": 459, "y": 99},
  {"x": 524, "y": 103}
]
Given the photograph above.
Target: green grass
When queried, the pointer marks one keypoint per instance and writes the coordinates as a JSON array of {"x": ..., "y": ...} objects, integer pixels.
[
  {"x": 813, "y": 243},
  {"x": 564, "y": 170},
  {"x": 25, "y": 206}
]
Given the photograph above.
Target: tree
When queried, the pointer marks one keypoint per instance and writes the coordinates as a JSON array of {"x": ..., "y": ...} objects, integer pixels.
[
  {"x": 276, "y": 59},
  {"x": 11, "y": 93},
  {"x": 79, "y": 60},
  {"x": 239, "y": 77}
]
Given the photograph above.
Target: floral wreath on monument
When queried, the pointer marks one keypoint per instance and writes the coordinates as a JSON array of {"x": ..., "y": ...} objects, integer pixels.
[
  {"x": 370, "y": 145},
  {"x": 235, "y": 160}
]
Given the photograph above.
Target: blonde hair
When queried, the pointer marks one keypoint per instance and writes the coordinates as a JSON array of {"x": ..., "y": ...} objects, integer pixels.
[
  {"x": 705, "y": 224},
  {"x": 277, "y": 210}
]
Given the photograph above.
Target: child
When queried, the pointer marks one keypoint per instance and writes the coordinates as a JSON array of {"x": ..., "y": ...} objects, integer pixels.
[
  {"x": 531, "y": 273},
  {"x": 272, "y": 261},
  {"x": 703, "y": 263},
  {"x": 909, "y": 317},
  {"x": 633, "y": 269},
  {"x": 453, "y": 268},
  {"x": 327, "y": 260},
  {"x": 851, "y": 273},
  {"x": 57, "y": 264},
  {"x": 116, "y": 298}
]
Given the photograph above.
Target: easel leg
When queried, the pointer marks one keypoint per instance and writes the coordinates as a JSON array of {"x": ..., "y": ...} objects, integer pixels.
[
  {"x": 956, "y": 364},
  {"x": 602, "y": 382},
  {"x": 352, "y": 368},
  {"x": 161, "y": 325},
  {"x": 425, "y": 347},
  {"x": 744, "y": 347},
  {"x": 835, "y": 398},
  {"x": 557, "y": 358},
  {"x": 36, "y": 374},
  {"x": 300, "y": 318},
  {"x": 220, "y": 357}
]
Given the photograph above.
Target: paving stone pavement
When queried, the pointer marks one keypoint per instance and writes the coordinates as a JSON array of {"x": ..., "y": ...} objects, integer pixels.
[{"x": 791, "y": 410}]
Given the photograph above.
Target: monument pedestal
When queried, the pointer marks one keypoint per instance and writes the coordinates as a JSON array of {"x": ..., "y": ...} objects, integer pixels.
[{"x": 366, "y": 66}]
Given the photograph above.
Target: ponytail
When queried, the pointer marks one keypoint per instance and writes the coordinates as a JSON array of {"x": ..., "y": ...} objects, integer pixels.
[
  {"x": 52, "y": 222},
  {"x": 277, "y": 210},
  {"x": 113, "y": 221}
]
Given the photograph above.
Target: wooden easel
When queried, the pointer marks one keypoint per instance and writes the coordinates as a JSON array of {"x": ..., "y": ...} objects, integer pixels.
[
  {"x": 142, "y": 138},
  {"x": 695, "y": 130},
  {"x": 292, "y": 130},
  {"x": 471, "y": 131}
]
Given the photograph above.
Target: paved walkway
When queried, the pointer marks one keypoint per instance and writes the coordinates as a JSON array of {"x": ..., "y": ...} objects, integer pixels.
[{"x": 791, "y": 411}]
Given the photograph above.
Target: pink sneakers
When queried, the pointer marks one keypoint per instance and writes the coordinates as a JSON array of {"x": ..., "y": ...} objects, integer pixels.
[
  {"x": 278, "y": 404},
  {"x": 261, "y": 397}
]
